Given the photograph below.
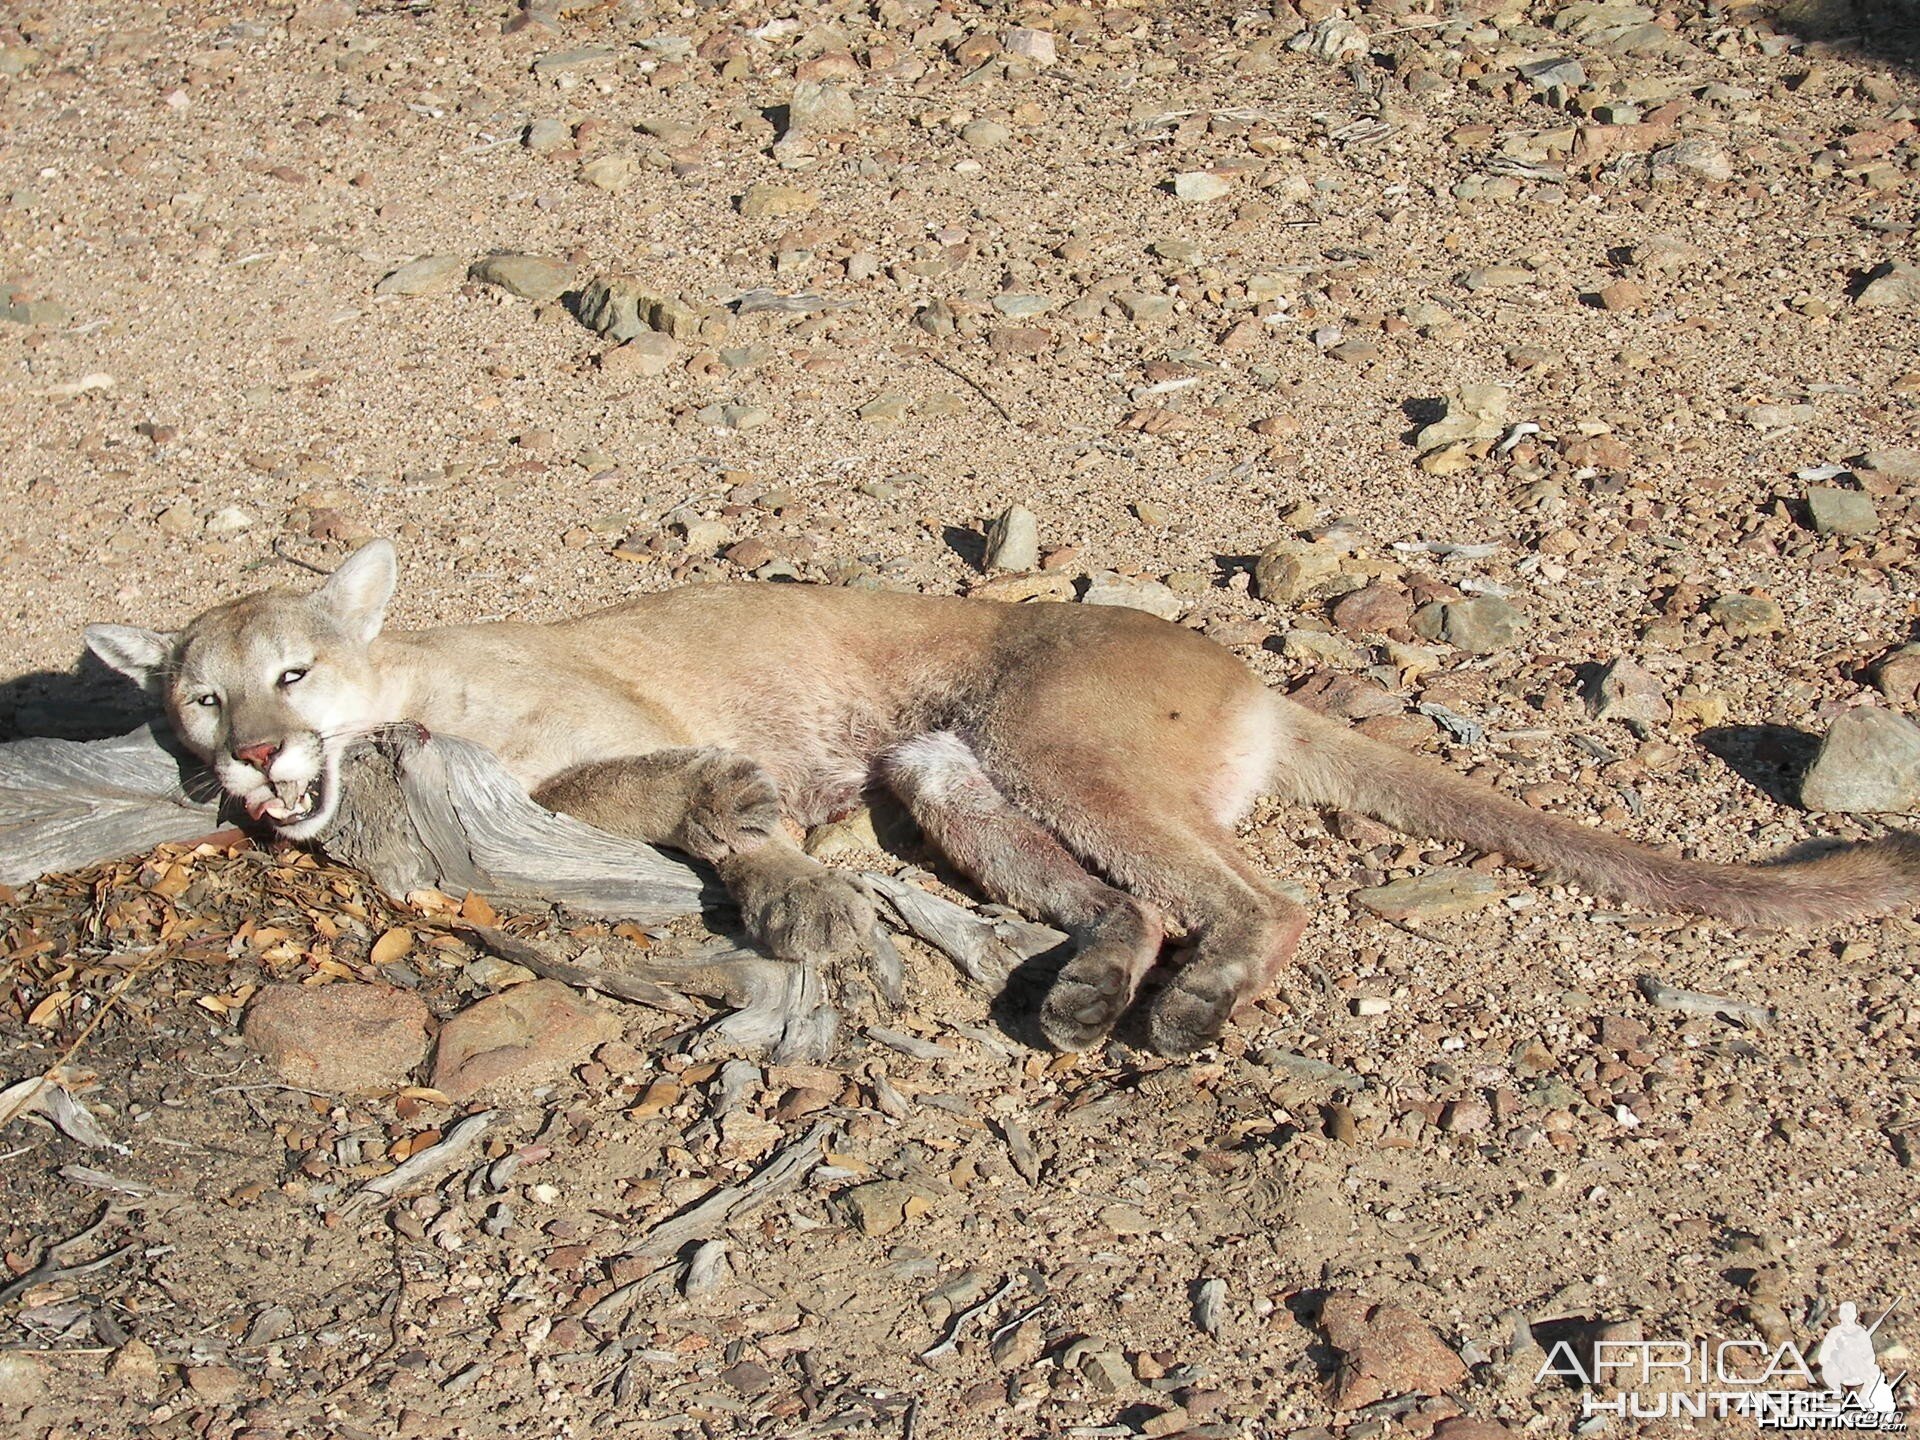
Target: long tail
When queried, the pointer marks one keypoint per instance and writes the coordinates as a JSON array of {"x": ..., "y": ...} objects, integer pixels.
[{"x": 1326, "y": 763}]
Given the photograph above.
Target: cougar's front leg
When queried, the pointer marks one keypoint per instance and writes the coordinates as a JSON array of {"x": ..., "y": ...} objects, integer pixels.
[{"x": 721, "y": 807}]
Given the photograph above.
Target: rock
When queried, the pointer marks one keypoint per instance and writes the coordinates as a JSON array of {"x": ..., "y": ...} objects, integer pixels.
[
  {"x": 1448, "y": 890},
  {"x": 1565, "y": 73},
  {"x": 230, "y": 520},
  {"x": 1144, "y": 308},
  {"x": 1745, "y": 616},
  {"x": 764, "y": 200},
  {"x": 1869, "y": 763},
  {"x": 1695, "y": 156},
  {"x": 1840, "y": 512},
  {"x": 1479, "y": 626},
  {"x": 23, "y": 1381},
  {"x": 562, "y": 62},
  {"x": 648, "y": 354},
  {"x": 1199, "y": 186},
  {"x": 1038, "y": 47},
  {"x": 1893, "y": 286},
  {"x": 135, "y": 1368},
  {"x": 1623, "y": 295},
  {"x": 429, "y": 275},
  {"x": 1385, "y": 1351},
  {"x": 1475, "y": 412},
  {"x": 16, "y": 311},
  {"x": 1495, "y": 277},
  {"x": 1373, "y": 610},
  {"x": 531, "y": 277},
  {"x": 1626, "y": 692},
  {"x": 1471, "y": 1427},
  {"x": 216, "y": 1384},
  {"x": 1106, "y": 1372},
  {"x": 1895, "y": 466},
  {"x": 543, "y": 1026},
  {"x": 617, "y": 306},
  {"x": 611, "y": 173},
  {"x": 1013, "y": 540},
  {"x": 346, "y": 1038},
  {"x": 1109, "y": 588},
  {"x": 881, "y": 1207},
  {"x": 889, "y": 408},
  {"x": 1019, "y": 589},
  {"x": 985, "y": 134},
  {"x": 1898, "y": 677},
  {"x": 1780, "y": 417},
  {"x": 1334, "y": 40},
  {"x": 546, "y": 135},
  {"x": 818, "y": 108},
  {"x": 320, "y": 18},
  {"x": 1290, "y": 570}
]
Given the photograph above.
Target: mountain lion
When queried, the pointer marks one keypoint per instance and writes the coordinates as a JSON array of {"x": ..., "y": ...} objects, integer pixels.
[{"x": 1084, "y": 763}]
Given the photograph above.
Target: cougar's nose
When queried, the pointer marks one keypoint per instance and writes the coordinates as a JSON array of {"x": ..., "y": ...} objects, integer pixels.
[{"x": 259, "y": 756}]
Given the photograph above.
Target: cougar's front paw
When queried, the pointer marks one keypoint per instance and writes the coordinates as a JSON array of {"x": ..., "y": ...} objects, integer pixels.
[
  {"x": 733, "y": 805},
  {"x": 817, "y": 918}
]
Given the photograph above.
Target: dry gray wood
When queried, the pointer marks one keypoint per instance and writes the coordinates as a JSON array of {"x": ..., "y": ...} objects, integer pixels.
[
  {"x": 441, "y": 813},
  {"x": 707, "y": 1218},
  {"x": 68, "y": 803}
]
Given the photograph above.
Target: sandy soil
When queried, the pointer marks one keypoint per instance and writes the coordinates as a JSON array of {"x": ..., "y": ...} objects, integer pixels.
[{"x": 1681, "y": 263}]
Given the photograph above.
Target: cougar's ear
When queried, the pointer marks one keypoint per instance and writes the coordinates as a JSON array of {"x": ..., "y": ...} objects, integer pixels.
[
  {"x": 357, "y": 593},
  {"x": 143, "y": 656}
]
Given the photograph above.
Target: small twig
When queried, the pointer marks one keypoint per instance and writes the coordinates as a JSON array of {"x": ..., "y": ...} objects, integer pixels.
[
  {"x": 971, "y": 383},
  {"x": 52, "y": 1264},
  {"x": 620, "y": 987},
  {"x": 710, "y": 1216},
  {"x": 434, "y": 1160},
  {"x": 965, "y": 1318},
  {"x": 1666, "y": 997},
  {"x": 296, "y": 560}
]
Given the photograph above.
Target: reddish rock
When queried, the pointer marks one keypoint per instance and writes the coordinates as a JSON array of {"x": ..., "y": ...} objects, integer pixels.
[
  {"x": 347, "y": 1038},
  {"x": 1373, "y": 610},
  {"x": 1385, "y": 1351},
  {"x": 539, "y": 1026}
]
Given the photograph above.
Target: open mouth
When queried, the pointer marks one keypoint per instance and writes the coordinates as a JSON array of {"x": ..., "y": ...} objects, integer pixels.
[{"x": 288, "y": 802}]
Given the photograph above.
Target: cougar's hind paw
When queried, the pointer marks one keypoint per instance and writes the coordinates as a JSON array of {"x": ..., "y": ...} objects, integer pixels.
[
  {"x": 1183, "y": 1021},
  {"x": 1086, "y": 1002}
]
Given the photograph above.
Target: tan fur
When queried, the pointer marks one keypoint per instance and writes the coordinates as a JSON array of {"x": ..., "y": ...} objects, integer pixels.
[{"x": 1086, "y": 763}]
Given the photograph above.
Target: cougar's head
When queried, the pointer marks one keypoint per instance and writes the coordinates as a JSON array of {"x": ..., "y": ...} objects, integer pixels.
[{"x": 271, "y": 689}]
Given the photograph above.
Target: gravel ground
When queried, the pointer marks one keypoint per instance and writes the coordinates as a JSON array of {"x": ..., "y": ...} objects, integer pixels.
[{"x": 1520, "y": 341}]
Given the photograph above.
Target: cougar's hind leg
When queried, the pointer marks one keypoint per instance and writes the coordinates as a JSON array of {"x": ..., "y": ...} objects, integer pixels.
[
  {"x": 1152, "y": 830},
  {"x": 1018, "y": 862},
  {"x": 723, "y": 808}
]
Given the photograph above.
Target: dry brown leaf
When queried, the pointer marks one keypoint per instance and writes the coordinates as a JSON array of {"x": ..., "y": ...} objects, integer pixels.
[{"x": 391, "y": 946}]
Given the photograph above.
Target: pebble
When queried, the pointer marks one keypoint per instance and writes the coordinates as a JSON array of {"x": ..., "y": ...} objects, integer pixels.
[
  {"x": 647, "y": 354},
  {"x": 1035, "y": 46},
  {"x": 565, "y": 62},
  {"x": 617, "y": 306},
  {"x": 1893, "y": 286},
  {"x": 429, "y": 275},
  {"x": 346, "y": 1038},
  {"x": 889, "y": 408},
  {"x": 135, "y": 1367},
  {"x": 23, "y": 1380},
  {"x": 1869, "y": 763},
  {"x": 546, "y": 135},
  {"x": 881, "y": 1207},
  {"x": 1479, "y": 625},
  {"x": 1898, "y": 677},
  {"x": 531, "y": 277},
  {"x": 1199, "y": 186},
  {"x": 764, "y": 200},
  {"x": 1495, "y": 277},
  {"x": 1627, "y": 692},
  {"x": 216, "y": 1384},
  {"x": 1897, "y": 466},
  {"x": 1448, "y": 890},
  {"x": 1747, "y": 616},
  {"x": 1013, "y": 540},
  {"x": 611, "y": 173},
  {"x": 1473, "y": 413},
  {"x": 529, "y": 1029},
  {"x": 1840, "y": 512},
  {"x": 1145, "y": 308},
  {"x": 1385, "y": 1351},
  {"x": 985, "y": 134},
  {"x": 1289, "y": 570},
  {"x": 818, "y": 107},
  {"x": 1152, "y": 596}
]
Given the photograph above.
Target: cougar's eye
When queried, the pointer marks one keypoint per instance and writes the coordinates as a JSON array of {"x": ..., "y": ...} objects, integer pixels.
[
  {"x": 207, "y": 702},
  {"x": 293, "y": 676}
]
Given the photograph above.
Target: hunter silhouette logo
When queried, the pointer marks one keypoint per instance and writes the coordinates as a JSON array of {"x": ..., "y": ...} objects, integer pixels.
[{"x": 1773, "y": 1385}]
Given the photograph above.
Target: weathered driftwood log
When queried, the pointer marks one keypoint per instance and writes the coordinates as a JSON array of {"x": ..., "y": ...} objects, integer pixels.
[{"x": 443, "y": 814}]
